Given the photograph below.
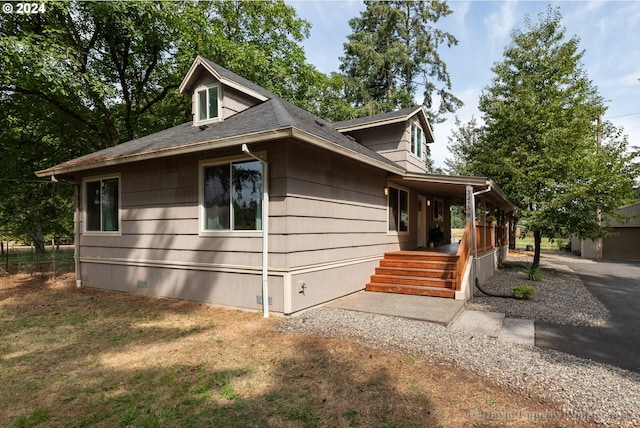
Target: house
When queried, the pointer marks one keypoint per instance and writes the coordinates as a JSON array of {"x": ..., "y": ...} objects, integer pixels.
[
  {"x": 259, "y": 204},
  {"x": 622, "y": 245}
]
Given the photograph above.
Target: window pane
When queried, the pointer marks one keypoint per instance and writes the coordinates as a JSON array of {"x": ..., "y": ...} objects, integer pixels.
[
  {"x": 247, "y": 195},
  {"x": 419, "y": 143},
  {"x": 202, "y": 105},
  {"x": 216, "y": 198},
  {"x": 393, "y": 209},
  {"x": 213, "y": 103},
  {"x": 413, "y": 138},
  {"x": 110, "y": 205},
  {"x": 92, "y": 205},
  {"x": 404, "y": 211}
]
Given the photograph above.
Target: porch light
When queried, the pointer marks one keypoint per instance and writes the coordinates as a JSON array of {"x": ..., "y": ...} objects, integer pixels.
[
  {"x": 428, "y": 202},
  {"x": 386, "y": 191}
]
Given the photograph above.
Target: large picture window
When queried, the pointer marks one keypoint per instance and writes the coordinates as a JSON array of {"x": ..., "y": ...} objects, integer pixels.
[
  {"x": 232, "y": 196},
  {"x": 101, "y": 205},
  {"x": 398, "y": 210}
]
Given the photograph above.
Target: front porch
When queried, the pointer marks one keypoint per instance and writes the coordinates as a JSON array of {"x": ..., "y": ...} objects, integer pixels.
[
  {"x": 443, "y": 271},
  {"x": 417, "y": 272},
  {"x": 428, "y": 263}
]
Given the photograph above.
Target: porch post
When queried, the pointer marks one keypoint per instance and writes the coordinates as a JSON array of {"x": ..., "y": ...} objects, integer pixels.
[{"x": 470, "y": 215}]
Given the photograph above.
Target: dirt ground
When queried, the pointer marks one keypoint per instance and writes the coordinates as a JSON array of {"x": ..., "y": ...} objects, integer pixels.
[{"x": 82, "y": 357}]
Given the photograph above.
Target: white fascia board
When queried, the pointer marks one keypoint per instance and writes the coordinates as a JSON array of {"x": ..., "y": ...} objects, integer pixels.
[{"x": 171, "y": 151}]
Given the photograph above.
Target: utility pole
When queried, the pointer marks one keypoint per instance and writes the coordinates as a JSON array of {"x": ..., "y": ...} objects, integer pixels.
[{"x": 598, "y": 241}]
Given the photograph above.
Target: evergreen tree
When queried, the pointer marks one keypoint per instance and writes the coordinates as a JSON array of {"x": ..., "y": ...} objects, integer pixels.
[{"x": 392, "y": 51}]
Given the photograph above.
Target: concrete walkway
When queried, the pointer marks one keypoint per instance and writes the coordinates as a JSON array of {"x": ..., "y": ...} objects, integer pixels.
[
  {"x": 494, "y": 324},
  {"x": 446, "y": 312},
  {"x": 432, "y": 309}
]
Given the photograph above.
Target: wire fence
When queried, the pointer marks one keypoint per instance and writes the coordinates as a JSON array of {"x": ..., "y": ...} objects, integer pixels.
[{"x": 57, "y": 260}]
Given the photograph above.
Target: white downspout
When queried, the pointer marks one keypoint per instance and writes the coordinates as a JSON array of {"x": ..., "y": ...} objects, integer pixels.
[
  {"x": 473, "y": 228},
  {"x": 265, "y": 230},
  {"x": 77, "y": 189}
]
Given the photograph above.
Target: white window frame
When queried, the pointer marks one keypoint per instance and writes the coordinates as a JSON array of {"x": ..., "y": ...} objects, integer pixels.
[
  {"x": 202, "y": 231},
  {"x": 416, "y": 140},
  {"x": 208, "y": 119},
  {"x": 400, "y": 189},
  {"x": 101, "y": 178}
]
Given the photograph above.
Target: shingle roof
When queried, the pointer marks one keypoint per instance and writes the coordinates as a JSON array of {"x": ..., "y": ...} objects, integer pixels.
[
  {"x": 382, "y": 117},
  {"x": 273, "y": 114}
]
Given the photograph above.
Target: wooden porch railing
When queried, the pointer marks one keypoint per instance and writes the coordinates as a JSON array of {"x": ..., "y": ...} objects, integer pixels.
[
  {"x": 490, "y": 236},
  {"x": 463, "y": 253}
]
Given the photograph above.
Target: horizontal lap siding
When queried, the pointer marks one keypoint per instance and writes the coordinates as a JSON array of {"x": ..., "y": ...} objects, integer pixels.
[
  {"x": 335, "y": 209},
  {"x": 159, "y": 244},
  {"x": 159, "y": 219}
]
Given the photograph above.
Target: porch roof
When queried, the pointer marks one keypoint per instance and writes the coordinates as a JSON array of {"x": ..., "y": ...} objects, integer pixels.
[{"x": 453, "y": 187}]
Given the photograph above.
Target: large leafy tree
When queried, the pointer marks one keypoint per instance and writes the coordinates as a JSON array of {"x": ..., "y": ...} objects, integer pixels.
[
  {"x": 87, "y": 75},
  {"x": 392, "y": 52},
  {"x": 540, "y": 140}
]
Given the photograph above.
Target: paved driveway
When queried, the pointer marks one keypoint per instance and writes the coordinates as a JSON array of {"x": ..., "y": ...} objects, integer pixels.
[{"x": 617, "y": 286}]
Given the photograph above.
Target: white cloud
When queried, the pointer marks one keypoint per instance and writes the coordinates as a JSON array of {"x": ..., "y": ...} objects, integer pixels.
[{"x": 500, "y": 22}]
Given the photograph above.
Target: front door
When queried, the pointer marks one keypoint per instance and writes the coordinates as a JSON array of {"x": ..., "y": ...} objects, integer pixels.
[{"x": 422, "y": 221}]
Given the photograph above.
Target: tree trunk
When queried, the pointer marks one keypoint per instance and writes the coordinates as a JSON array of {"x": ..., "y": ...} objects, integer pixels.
[
  {"x": 537, "y": 240},
  {"x": 38, "y": 241},
  {"x": 513, "y": 228}
]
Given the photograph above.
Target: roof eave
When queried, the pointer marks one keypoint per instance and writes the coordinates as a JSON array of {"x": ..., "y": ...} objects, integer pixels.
[
  {"x": 463, "y": 180},
  {"x": 172, "y": 151},
  {"x": 221, "y": 143}
]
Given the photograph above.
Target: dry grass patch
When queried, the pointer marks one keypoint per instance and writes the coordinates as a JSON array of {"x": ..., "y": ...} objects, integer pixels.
[{"x": 82, "y": 357}]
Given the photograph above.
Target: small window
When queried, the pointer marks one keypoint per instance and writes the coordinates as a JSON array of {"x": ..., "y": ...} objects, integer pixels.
[
  {"x": 438, "y": 210},
  {"x": 102, "y": 205},
  {"x": 232, "y": 196},
  {"x": 398, "y": 210},
  {"x": 416, "y": 140},
  {"x": 207, "y": 100}
]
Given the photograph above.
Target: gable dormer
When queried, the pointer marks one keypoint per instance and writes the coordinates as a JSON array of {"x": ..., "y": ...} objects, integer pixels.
[
  {"x": 217, "y": 93},
  {"x": 400, "y": 136}
]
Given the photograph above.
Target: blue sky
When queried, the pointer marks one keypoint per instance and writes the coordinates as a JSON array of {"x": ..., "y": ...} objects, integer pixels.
[{"x": 609, "y": 33}]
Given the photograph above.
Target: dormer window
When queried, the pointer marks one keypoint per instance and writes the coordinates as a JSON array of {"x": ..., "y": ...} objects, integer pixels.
[
  {"x": 416, "y": 140},
  {"x": 207, "y": 100}
]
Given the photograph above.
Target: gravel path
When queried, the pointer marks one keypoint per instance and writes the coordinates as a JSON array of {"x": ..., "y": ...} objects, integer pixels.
[
  {"x": 561, "y": 297},
  {"x": 584, "y": 390}
]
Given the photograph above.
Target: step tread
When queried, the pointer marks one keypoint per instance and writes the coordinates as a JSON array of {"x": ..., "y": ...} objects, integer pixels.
[
  {"x": 411, "y": 271},
  {"x": 409, "y": 289}
]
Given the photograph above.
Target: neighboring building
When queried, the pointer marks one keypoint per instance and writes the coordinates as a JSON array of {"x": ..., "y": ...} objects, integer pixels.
[
  {"x": 182, "y": 213},
  {"x": 623, "y": 245}
]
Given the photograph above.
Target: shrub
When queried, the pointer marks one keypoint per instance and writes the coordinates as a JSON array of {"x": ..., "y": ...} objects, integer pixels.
[
  {"x": 534, "y": 273},
  {"x": 524, "y": 292}
]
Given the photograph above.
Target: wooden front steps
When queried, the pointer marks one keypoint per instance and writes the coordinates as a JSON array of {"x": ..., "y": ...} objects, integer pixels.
[{"x": 416, "y": 272}]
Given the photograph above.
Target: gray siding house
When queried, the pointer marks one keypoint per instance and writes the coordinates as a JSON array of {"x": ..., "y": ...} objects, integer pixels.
[{"x": 258, "y": 198}]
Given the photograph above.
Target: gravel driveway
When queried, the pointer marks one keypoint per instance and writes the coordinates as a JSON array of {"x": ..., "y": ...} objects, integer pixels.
[{"x": 584, "y": 390}]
